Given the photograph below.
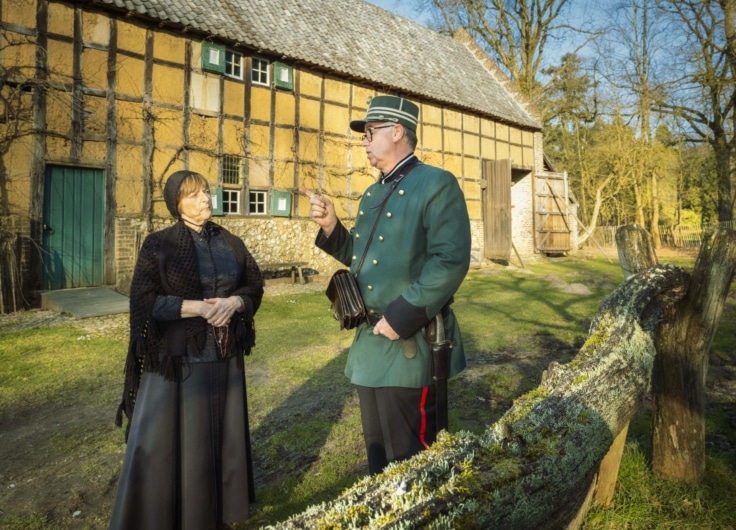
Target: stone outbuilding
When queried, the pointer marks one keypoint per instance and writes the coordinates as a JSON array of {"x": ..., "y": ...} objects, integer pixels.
[{"x": 102, "y": 99}]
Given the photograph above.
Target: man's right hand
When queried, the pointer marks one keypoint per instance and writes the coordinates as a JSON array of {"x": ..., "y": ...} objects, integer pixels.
[{"x": 322, "y": 211}]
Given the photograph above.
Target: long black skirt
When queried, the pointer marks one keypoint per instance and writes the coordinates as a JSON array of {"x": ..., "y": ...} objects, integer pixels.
[{"x": 187, "y": 464}]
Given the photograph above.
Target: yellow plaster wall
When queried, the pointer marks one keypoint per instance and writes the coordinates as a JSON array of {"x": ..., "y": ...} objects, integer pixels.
[
  {"x": 283, "y": 144},
  {"x": 59, "y": 57},
  {"x": 471, "y": 144},
  {"x": 95, "y": 119},
  {"x": 285, "y": 108},
  {"x": 94, "y": 69},
  {"x": 361, "y": 98},
  {"x": 337, "y": 90},
  {"x": 514, "y": 135},
  {"x": 336, "y": 121},
  {"x": 204, "y": 164},
  {"x": 259, "y": 136},
  {"x": 169, "y": 126},
  {"x": 309, "y": 147},
  {"x": 169, "y": 47},
  {"x": 94, "y": 152},
  {"x": 17, "y": 53},
  {"x": 131, "y": 37},
  {"x": 283, "y": 175},
  {"x": 503, "y": 151},
  {"x": 336, "y": 152},
  {"x": 452, "y": 119},
  {"x": 431, "y": 138},
  {"x": 20, "y": 12},
  {"x": 488, "y": 148},
  {"x": 233, "y": 104},
  {"x": 453, "y": 141},
  {"x": 475, "y": 211},
  {"x": 129, "y": 179},
  {"x": 18, "y": 163},
  {"x": 471, "y": 189},
  {"x": 232, "y": 137},
  {"x": 61, "y": 19},
  {"x": 309, "y": 113},
  {"x": 471, "y": 123},
  {"x": 130, "y": 74},
  {"x": 95, "y": 28},
  {"x": 528, "y": 156},
  {"x": 260, "y": 109},
  {"x": 310, "y": 84},
  {"x": 129, "y": 121},
  {"x": 203, "y": 132},
  {"x": 430, "y": 114},
  {"x": 487, "y": 128},
  {"x": 58, "y": 112},
  {"x": 168, "y": 85}
]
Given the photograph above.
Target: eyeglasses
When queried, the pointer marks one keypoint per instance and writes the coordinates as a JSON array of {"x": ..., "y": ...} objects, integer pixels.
[{"x": 369, "y": 131}]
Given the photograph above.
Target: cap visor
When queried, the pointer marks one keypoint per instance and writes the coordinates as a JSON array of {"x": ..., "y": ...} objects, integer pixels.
[{"x": 358, "y": 125}]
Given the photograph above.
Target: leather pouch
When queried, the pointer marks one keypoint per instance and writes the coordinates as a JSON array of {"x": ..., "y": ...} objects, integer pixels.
[{"x": 347, "y": 303}]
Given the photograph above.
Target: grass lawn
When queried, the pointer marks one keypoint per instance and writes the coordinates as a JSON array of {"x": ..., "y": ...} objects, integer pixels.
[{"x": 60, "y": 384}]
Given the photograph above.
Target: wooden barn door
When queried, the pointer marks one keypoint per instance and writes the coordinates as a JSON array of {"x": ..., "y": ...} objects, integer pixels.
[
  {"x": 497, "y": 209},
  {"x": 553, "y": 223},
  {"x": 73, "y": 228}
]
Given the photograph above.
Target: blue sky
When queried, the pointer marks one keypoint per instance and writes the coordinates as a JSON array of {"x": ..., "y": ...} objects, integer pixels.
[{"x": 405, "y": 8}]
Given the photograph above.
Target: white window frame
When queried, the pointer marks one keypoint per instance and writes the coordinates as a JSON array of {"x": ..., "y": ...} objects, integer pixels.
[
  {"x": 230, "y": 201},
  {"x": 233, "y": 64},
  {"x": 259, "y": 69},
  {"x": 262, "y": 201}
]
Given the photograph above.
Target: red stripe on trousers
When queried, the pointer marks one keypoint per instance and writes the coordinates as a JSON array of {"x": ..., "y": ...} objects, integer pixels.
[{"x": 423, "y": 415}]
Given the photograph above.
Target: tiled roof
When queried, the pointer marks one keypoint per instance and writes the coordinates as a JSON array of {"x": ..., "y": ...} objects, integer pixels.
[{"x": 353, "y": 38}]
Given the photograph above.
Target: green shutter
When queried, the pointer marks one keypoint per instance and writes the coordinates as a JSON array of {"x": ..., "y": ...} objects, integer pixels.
[
  {"x": 213, "y": 57},
  {"x": 283, "y": 76}
]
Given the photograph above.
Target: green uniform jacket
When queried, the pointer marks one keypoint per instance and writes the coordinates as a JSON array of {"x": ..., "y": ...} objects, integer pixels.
[{"x": 419, "y": 256}]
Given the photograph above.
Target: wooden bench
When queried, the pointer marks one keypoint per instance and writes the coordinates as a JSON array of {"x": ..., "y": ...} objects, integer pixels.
[{"x": 294, "y": 266}]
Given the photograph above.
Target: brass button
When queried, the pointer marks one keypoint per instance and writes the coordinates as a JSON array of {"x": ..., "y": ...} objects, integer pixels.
[
  {"x": 357, "y": 236},
  {"x": 388, "y": 215},
  {"x": 368, "y": 193},
  {"x": 370, "y": 287},
  {"x": 380, "y": 238},
  {"x": 375, "y": 262},
  {"x": 401, "y": 192},
  {"x": 372, "y": 312},
  {"x": 355, "y": 257},
  {"x": 361, "y": 212}
]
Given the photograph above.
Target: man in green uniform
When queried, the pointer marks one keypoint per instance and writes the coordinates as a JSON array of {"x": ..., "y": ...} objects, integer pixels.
[{"x": 410, "y": 248}]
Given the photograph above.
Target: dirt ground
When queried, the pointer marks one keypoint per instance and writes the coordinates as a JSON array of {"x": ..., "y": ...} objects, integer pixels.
[{"x": 27, "y": 474}]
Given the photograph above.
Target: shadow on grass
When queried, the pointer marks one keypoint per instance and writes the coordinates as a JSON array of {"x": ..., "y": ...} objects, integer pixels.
[{"x": 291, "y": 438}]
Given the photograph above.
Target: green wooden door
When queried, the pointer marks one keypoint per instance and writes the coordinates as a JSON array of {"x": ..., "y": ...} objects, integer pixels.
[{"x": 73, "y": 228}]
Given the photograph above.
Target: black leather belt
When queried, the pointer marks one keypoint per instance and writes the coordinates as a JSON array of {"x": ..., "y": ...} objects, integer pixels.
[{"x": 372, "y": 318}]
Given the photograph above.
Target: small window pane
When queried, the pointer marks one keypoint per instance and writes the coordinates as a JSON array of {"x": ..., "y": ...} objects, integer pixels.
[
  {"x": 259, "y": 72},
  {"x": 257, "y": 203},
  {"x": 230, "y": 201},
  {"x": 234, "y": 64}
]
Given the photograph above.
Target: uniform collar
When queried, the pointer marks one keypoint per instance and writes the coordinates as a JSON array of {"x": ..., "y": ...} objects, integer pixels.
[{"x": 391, "y": 175}]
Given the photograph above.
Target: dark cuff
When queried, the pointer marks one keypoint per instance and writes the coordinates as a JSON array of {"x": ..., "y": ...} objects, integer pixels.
[
  {"x": 404, "y": 318},
  {"x": 247, "y": 306},
  {"x": 336, "y": 240}
]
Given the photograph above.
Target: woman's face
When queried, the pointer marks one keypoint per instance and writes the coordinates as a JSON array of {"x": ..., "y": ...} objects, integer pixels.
[{"x": 196, "y": 206}]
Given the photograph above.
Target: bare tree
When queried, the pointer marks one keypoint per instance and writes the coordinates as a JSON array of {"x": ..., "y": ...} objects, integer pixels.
[
  {"x": 515, "y": 33},
  {"x": 702, "y": 89}
]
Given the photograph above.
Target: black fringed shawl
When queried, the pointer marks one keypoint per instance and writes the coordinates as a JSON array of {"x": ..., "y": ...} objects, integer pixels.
[{"x": 167, "y": 265}]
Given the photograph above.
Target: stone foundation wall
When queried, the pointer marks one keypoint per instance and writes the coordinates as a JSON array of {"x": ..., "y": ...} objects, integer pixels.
[{"x": 271, "y": 240}]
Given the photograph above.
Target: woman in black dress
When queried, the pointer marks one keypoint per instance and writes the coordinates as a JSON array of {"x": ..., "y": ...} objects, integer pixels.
[{"x": 193, "y": 296}]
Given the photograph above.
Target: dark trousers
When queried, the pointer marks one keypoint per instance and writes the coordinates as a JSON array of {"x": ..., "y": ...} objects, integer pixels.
[{"x": 397, "y": 423}]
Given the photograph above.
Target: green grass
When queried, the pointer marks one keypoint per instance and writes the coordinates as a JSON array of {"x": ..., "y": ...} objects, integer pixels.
[{"x": 59, "y": 389}]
